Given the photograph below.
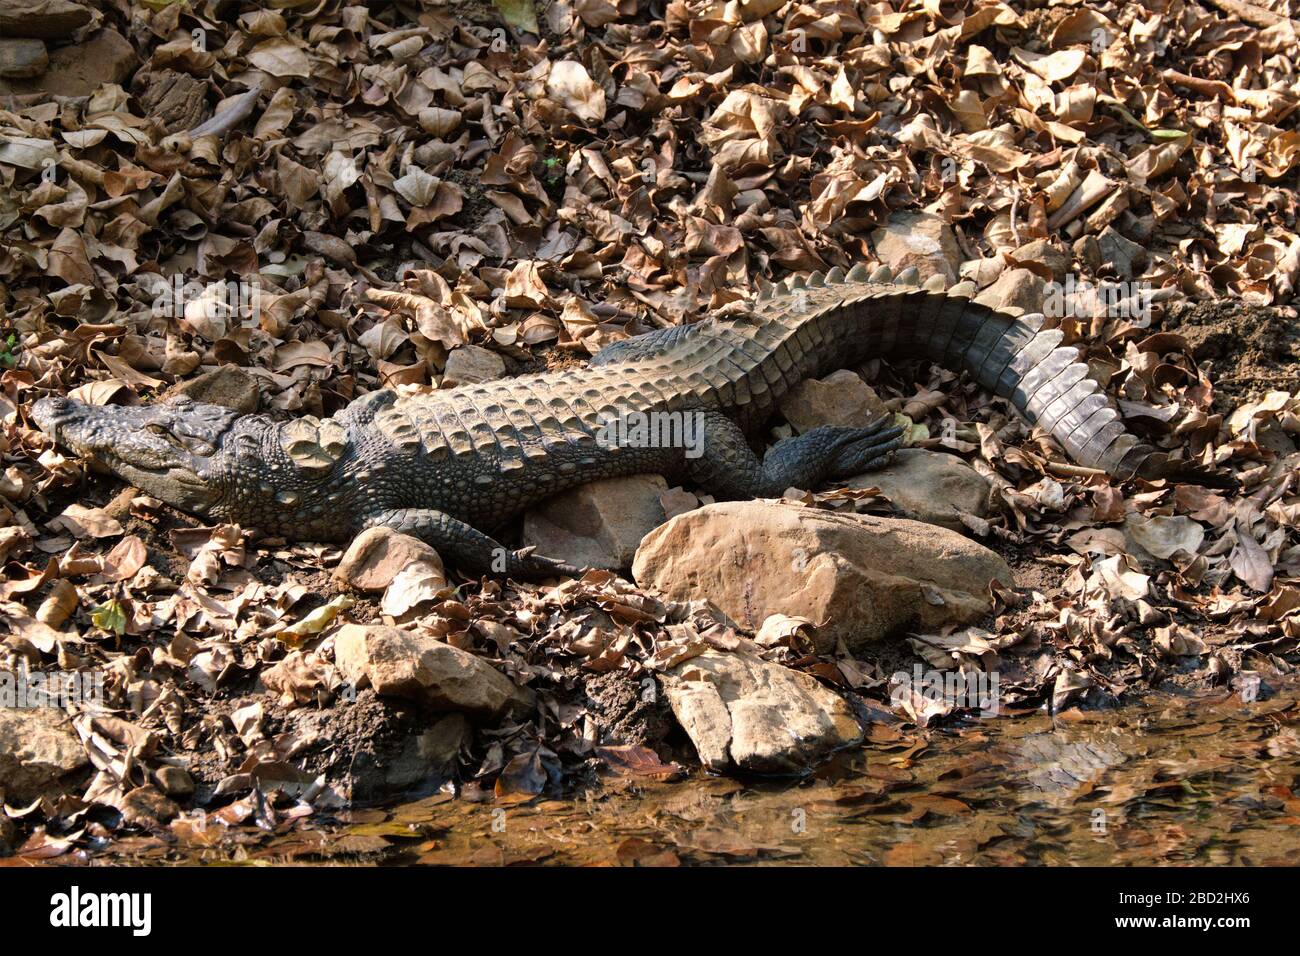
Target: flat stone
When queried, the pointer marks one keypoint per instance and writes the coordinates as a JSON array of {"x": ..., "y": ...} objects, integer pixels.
[
  {"x": 21, "y": 59},
  {"x": 423, "y": 670},
  {"x": 80, "y": 69},
  {"x": 1045, "y": 253},
  {"x": 598, "y": 525},
  {"x": 38, "y": 751},
  {"x": 841, "y": 398},
  {"x": 42, "y": 19},
  {"x": 861, "y": 578},
  {"x": 918, "y": 239},
  {"x": 377, "y": 555},
  {"x": 1021, "y": 288},
  {"x": 930, "y": 486},
  {"x": 744, "y": 713},
  {"x": 470, "y": 364},
  {"x": 175, "y": 781},
  {"x": 226, "y": 385}
]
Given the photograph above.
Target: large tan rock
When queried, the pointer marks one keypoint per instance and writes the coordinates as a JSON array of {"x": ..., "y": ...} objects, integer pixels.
[
  {"x": 21, "y": 59},
  {"x": 43, "y": 19},
  {"x": 226, "y": 385},
  {"x": 862, "y": 578},
  {"x": 377, "y": 555},
  {"x": 841, "y": 398},
  {"x": 471, "y": 364},
  {"x": 38, "y": 750},
  {"x": 80, "y": 69},
  {"x": 918, "y": 239},
  {"x": 930, "y": 486},
  {"x": 742, "y": 712},
  {"x": 1015, "y": 287},
  {"x": 598, "y": 525},
  {"x": 426, "y": 671},
  {"x": 1044, "y": 252}
]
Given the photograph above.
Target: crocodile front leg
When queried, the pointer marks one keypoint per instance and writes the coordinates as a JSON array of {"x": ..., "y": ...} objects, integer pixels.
[
  {"x": 466, "y": 547},
  {"x": 730, "y": 469}
]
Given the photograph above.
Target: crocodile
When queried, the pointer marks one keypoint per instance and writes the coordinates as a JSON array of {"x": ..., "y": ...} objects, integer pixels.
[{"x": 453, "y": 466}]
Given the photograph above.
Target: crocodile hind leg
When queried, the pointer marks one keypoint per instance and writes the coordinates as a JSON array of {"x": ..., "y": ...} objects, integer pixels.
[
  {"x": 466, "y": 547},
  {"x": 729, "y": 468}
]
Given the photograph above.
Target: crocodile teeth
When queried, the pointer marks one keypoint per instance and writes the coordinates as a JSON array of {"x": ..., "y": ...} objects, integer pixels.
[
  {"x": 909, "y": 276},
  {"x": 798, "y": 282},
  {"x": 835, "y": 276},
  {"x": 765, "y": 289},
  {"x": 881, "y": 274},
  {"x": 816, "y": 280},
  {"x": 964, "y": 290},
  {"x": 936, "y": 283},
  {"x": 859, "y": 273}
]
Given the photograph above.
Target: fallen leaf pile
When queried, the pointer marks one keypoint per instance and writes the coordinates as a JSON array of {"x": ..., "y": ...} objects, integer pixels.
[{"x": 340, "y": 197}]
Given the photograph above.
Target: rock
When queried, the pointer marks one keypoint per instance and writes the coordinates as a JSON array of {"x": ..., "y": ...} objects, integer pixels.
[
  {"x": 80, "y": 69},
  {"x": 598, "y": 525},
  {"x": 418, "y": 668},
  {"x": 20, "y": 59},
  {"x": 1124, "y": 257},
  {"x": 742, "y": 712},
  {"x": 841, "y": 398},
  {"x": 1015, "y": 287},
  {"x": 862, "y": 578},
  {"x": 1044, "y": 252},
  {"x": 147, "y": 807},
  {"x": 918, "y": 239},
  {"x": 43, "y": 19},
  {"x": 174, "y": 781},
  {"x": 376, "y": 556},
  {"x": 226, "y": 385},
  {"x": 38, "y": 750},
  {"x": 470, "y": 364},
  {"x": 930, "y": 486},
  {"x": 1088, "y": 251}
]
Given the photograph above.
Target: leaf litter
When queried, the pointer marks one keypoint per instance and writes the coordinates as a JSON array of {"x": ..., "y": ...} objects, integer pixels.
[{"x": 349, "y": 196}]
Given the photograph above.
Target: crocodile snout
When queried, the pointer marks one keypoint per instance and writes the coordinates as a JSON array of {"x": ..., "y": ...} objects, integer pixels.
[{"x": 50, "y": 413}]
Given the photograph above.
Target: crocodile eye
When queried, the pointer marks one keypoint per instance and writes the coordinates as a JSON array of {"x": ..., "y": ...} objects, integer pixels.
[{"x": 160, "y": 430}]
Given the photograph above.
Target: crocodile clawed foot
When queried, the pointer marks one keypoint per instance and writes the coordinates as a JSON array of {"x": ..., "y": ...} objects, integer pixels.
[{"x": 862, "y": 449}]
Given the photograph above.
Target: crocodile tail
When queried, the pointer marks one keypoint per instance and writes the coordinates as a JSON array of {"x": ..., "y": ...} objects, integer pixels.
[{"x": 1009, "y": 353}]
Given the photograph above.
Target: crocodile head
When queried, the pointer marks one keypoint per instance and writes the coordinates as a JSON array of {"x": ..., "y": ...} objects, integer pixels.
[{"x": 173, "y": 450}]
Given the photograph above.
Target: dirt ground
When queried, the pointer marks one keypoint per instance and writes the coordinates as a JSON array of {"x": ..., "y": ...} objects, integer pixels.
[{"x": 410, "y": 179}]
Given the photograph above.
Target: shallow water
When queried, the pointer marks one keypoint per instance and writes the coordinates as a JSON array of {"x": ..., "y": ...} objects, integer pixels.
[{"x": 1204, "y": 779}]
